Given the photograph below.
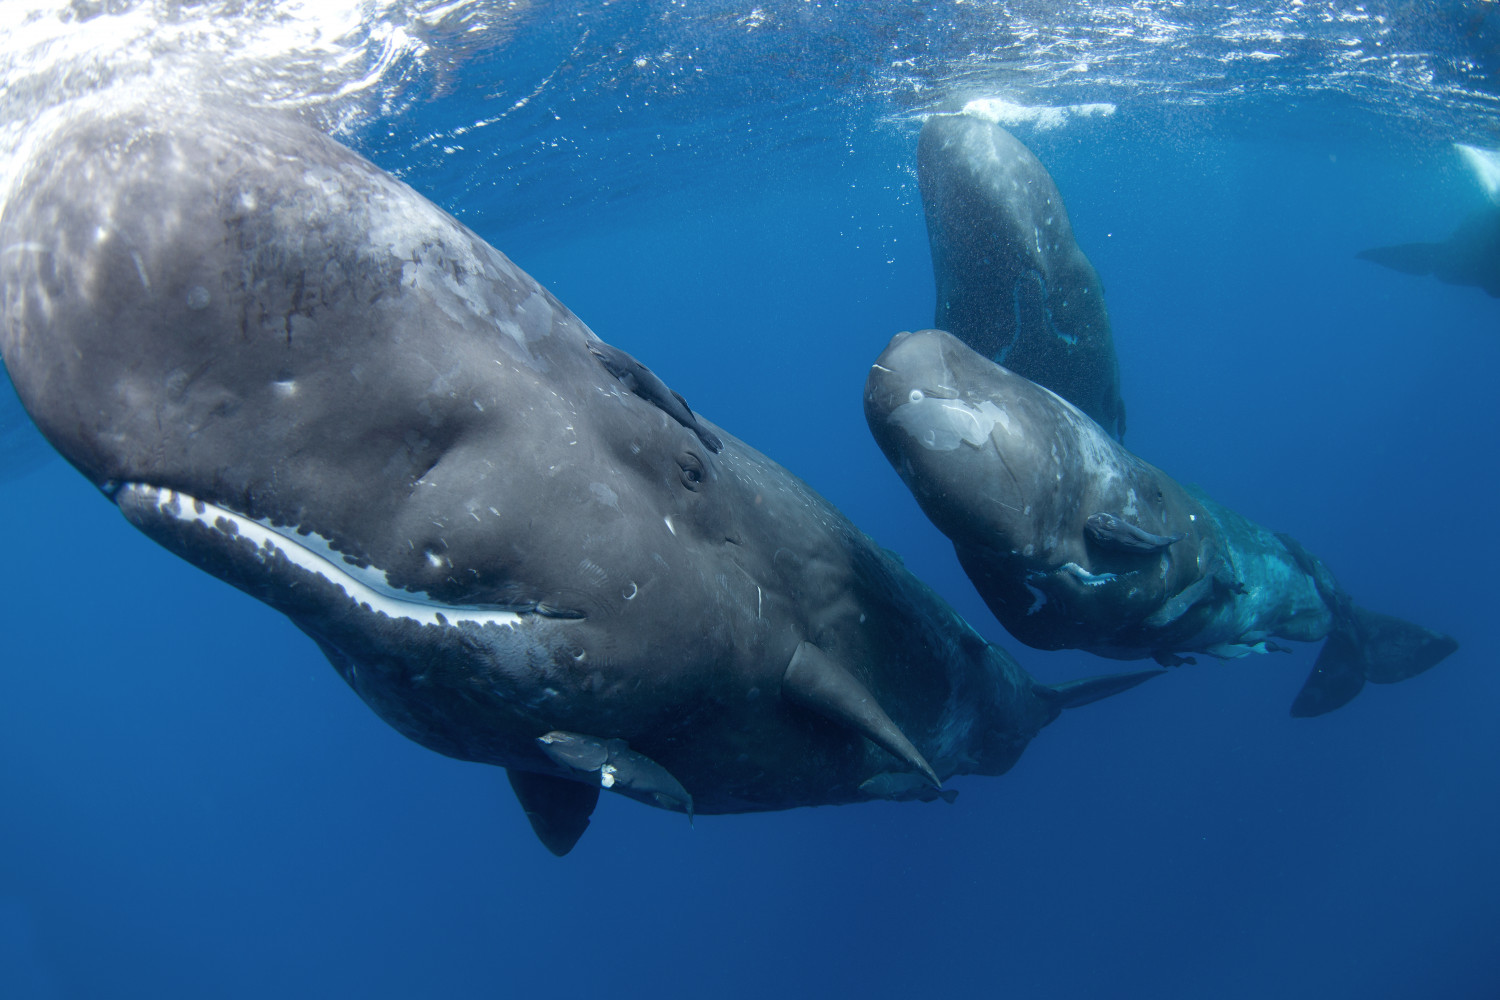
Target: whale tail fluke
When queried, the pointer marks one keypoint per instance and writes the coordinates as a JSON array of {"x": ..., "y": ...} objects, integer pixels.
[
  {"x": 1367, "y": 646},
  {"x": 1408, "y": 258},
  {"x": 1086, "y": 690}
]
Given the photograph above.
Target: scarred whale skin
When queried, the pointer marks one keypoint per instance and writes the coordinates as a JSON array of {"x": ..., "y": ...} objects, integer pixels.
[
  {"x": 1011, "y": 280},
  {"x": 1030, "y": 491},
  {"x": 511, "y": 540}
]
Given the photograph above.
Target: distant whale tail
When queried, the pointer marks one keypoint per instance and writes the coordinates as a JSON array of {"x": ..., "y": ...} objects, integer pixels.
[
  {"x": 1408, "y": 258},
  {"x": 1367, "y": 646}
]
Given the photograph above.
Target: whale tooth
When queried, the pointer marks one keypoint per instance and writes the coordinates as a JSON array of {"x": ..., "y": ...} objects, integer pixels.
[
  {"x": 617, "y": 767},
  {"x": 820, "y": 685}
]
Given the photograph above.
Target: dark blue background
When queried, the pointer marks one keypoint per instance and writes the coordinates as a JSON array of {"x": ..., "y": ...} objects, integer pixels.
[{"x": 195, "y": 806}]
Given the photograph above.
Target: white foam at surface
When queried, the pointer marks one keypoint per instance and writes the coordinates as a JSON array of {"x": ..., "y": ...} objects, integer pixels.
[
  {"x": 1486, "y": 166},
  {"x": 1003, "y": 112},
  {"x": 341, "y": 57}
]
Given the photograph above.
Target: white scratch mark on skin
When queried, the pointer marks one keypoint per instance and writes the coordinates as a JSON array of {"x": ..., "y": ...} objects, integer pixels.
[{"x": 670, "y": 527}]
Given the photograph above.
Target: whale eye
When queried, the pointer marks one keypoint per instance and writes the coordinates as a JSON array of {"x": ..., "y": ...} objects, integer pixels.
[
  {"x": 915, "y": 396},
  {"x": 692, "y": 470}
]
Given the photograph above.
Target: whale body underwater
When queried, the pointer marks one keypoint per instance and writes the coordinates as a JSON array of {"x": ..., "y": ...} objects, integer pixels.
[
  {"x": 512, "y": 540},
  {"x": 1011, "y": 280},
  {"x": 1471, "y": 254},
  {"x": 1074, "y": 542}
]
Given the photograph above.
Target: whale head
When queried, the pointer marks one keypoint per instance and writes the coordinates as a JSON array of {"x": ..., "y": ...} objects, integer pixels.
[
  {"x": 1063, "y": 532},
  {"x": 290, "y": 369},
  {"x": 968, "y": 438}
]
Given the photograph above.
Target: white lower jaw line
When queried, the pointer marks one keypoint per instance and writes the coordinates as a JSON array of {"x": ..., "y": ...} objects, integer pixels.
[{"x": 312, "y": 553}]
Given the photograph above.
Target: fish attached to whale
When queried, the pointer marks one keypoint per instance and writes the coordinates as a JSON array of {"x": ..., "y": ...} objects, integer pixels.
[
  {"x": 1011, "y": 280},
  {"x": 514, "y": 541},
  {"x": 1076, "y": 543}
]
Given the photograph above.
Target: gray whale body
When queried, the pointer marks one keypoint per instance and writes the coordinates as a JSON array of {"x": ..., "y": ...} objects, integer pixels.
[
  {"x": 512, "y": 540},
  {"x": 1470, "y": 256},
  {"x": 1011, "y": 280},
  {"x": 1076, "y": 543}
]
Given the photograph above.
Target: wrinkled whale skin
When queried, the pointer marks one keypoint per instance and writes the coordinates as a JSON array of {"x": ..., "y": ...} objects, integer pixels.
[
  {"x": 292, "y": 370},
  {"x": 1014, "y": 475},
  {"x": 1012, "y": 282}
]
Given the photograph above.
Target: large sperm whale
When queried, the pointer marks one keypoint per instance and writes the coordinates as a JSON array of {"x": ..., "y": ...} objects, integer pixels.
[{"x": 514, "y": 541}]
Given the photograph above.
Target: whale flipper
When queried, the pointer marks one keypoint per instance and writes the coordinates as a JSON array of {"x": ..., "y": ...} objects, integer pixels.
[
  {"x": 558, "y": 809},
  {"x": 1408, "y": 258},
  {"x": 1087, "y": 690},
  {"x": 822, "y": 686},
  {"x": 1367, "y": 646}
]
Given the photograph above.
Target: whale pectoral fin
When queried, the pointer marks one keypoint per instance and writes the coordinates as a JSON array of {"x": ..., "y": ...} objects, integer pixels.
[
  {"x": 558, "y": 809},
  {"x": 1086, "y": 690},
  {"x": 617, "y": 767},
  {"x": 815, "y": 682},
  {"x": 1408, "y": 258}
]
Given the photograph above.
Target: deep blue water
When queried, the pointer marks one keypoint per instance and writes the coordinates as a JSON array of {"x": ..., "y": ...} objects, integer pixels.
[{"x": 194, "y": 805}]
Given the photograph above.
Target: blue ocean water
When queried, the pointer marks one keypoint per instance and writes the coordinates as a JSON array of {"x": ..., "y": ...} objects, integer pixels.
[{"x": 194, "y": 805}]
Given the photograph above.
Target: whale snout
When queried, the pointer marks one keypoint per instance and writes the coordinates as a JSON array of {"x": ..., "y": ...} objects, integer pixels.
[{"x": 912, "y": 366}]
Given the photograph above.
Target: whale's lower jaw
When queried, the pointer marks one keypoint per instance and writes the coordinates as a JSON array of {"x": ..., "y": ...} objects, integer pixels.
[
  {"x": 467, "y": 682},
  {"x": 157, "y": 510}
]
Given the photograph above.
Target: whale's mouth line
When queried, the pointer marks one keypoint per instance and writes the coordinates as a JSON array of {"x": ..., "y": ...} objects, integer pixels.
[{"x": 312, "y": 553}]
